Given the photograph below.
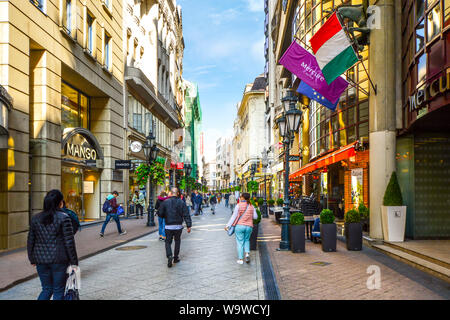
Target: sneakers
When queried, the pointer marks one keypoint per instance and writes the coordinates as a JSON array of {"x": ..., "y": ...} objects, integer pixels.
[
  {"x": 247, "y": 258},
  {"x": 176, "y": 260},
  {"x": 240, "y": 261},
  {"x": 169, "y": 262},
  {"x": 101, "y": 235},
  {"x": 123, "y": 233}
]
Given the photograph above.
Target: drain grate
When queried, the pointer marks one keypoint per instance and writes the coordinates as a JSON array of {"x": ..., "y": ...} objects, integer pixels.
[
  {"x": 130, "y": 248},
  {"x": 320, "y": 263},
  {"x": 270, "y": 283}
]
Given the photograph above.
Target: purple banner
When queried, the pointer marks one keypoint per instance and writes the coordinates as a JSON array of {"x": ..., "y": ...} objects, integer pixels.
[{"x": 304, "y": 65}]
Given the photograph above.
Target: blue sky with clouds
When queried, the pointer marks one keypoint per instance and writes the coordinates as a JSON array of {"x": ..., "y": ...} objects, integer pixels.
[{"x": 224, "y": 51}]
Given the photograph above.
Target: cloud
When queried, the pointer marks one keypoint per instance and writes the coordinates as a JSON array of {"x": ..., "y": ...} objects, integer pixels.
[
  {"x": 255, "y": 5},
  {"x": 224, "y": 16},
  {"x": 258, "y": 50}
]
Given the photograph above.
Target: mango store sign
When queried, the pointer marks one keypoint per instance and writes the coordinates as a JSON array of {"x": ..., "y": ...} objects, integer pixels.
[{"x": 78, "y": 147}]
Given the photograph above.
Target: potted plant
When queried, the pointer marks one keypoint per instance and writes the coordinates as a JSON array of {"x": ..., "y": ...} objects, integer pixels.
[
  {"x": 260, "y": 202},
  {"x": 393, "y": 212},
  {"x": 365, "y": 214},
  {"x": 280, "y": 202},
  {"x": 353, "y": 230},
  {"x": 328, "y": 231},
  {"x": 271, "y": 202},
  {"x": 254, "y": 235},
  {"x": 297, "y": 232}
]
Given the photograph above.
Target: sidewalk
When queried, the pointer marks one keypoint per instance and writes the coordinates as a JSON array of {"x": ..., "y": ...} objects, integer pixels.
[
  {"x": 345, "y": 274},
  {"x": 15, "y": 267}
]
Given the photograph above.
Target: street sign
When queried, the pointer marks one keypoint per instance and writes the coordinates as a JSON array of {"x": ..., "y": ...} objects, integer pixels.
[
  {"x": 123, "y": 164},
  {"x": 294, "y": 158}
]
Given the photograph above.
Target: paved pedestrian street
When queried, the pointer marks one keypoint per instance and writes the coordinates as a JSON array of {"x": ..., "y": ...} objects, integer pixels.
[{"x": 207, "y": 271}]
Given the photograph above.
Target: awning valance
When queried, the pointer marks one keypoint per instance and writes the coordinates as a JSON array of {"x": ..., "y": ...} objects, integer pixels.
[{"x": 336, "y": 156}]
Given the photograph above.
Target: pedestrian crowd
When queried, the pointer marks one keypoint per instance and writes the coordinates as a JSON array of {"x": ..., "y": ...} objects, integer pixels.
[{"x": 51, "y": 243}]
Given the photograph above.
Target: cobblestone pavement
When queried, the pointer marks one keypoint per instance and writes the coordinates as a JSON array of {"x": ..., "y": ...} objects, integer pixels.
[
  {"x": 207, "y": 271},
  {"x": 346, "y": 275}
]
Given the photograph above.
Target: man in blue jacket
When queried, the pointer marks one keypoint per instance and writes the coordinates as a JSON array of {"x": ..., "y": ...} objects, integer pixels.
[{"x": 197, "y": 202}]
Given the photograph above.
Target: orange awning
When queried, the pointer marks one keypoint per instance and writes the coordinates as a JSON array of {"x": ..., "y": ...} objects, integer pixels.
[{"x": 338, "y": 155}]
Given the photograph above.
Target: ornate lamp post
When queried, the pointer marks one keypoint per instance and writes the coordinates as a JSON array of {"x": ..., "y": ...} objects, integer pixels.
[
  {"x": 265, "y": 164},
  {"x": 187, "y": 171},
  {"x": 252, "y": 172},
  {"x": 288, "y": 124},
  {"x": 151, "y": 152}
]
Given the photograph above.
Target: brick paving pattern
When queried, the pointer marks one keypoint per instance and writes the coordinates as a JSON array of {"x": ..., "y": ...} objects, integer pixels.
[
  {"x": 207, "y": 271},
  {"x": 345, "y": 277}
]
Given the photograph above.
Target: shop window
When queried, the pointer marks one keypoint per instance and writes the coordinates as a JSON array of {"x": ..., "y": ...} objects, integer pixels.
[
  {"x": 74, "y": 108},
  {"x": 316, "y": 14},
  {"x": 420, "y": 36},
  {"x": 308, "y": 22},
  {"x": 422, "y": 68},
  {"x": 327, "y": 5},
  {"x": 351, "y": 134},
  {"x": 434, "y": 23}
]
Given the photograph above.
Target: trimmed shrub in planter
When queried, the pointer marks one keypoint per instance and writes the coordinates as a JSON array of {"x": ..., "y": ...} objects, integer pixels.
[
  {"x": 328, "y": 231},
  {"x": 271, "y": 202},
  {"x": 254, "y": 235},
  {"x": 353, "y": 230},
  {"x": 393, "y": 212},
  {"x": 297, "y": 232},
  {"x": 260, "y": 202},
  {"x": 280, "y": 202},
  {"x": 365, "y": 214}
]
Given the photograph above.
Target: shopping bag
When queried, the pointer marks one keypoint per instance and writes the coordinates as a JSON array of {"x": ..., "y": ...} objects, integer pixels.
[
  {"x": 73, "y": 284},
  {"x": 120, "y": 211}
]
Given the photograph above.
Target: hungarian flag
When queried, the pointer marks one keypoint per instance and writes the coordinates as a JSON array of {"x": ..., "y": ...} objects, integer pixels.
[{"x": 333, "y": 50}]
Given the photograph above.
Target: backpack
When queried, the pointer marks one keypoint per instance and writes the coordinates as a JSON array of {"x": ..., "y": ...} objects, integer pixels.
[
  {"x": 75, "y": 221},
  {"x": 107, "y": 207}
]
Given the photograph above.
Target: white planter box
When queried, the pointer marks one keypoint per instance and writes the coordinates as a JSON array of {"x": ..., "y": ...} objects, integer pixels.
[{"x": 394, "y": 223}]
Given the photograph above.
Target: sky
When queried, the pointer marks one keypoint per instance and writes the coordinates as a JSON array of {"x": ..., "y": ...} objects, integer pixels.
[{"x": 224, "y": 51}]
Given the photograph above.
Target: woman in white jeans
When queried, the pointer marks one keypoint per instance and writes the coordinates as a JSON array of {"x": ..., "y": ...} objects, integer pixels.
[{"x": 242, "y": 218}]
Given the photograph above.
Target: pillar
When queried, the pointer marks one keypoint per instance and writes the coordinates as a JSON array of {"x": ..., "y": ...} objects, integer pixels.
[{"x": 382, "y": 118}]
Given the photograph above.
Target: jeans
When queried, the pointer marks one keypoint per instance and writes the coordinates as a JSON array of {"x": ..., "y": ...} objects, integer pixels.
[
  {"x": 243, "y": 234},
  {"x": 170, "y": 235},
  {"x": 213, "y": 207},
  {"x": 108, "y": 218},
  {"x": 53, "y": 280},
  {"x": 141, "y": 209},
  {"x": 162, "y": 225},
  {"x": 226, "y": 203},
  {"x": 196, "y": 208},
  {"x": 232, "y": 207}
]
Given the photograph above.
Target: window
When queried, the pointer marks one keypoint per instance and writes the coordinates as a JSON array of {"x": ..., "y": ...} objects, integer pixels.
[
  {"x": 434, "y": 23},
  {"x": 39, "y": 4},
  {"x": 90, "y": 45},
  {"x": 422, "y": 68},
  {"x": 446, "y": 13},
  {"x": 74, "y": 108},
  {"x": 420, "y": 36},
  {"x": 107, "y": 53},
  {"x": 67, "y": 16}
]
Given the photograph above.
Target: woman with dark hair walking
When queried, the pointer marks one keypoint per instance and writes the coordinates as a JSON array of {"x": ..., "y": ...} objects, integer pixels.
[{"x": 51, "y": 246}]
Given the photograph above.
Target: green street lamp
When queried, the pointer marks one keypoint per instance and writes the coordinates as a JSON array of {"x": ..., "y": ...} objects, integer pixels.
[
  {"x": 288, "y": 125},
  {"x": 151, "y": 153}
]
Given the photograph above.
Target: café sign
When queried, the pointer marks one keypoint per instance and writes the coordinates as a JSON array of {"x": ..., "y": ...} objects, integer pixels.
[{"x": 427, "y": 93}]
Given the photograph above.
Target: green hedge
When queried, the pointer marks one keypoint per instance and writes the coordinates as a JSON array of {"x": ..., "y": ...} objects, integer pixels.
[
  {"x": 297, "y": 219},
  {"x": 352, "y": 216},
  {"x": 393, "y": 194},
  {"x": 326, "y": 216}
]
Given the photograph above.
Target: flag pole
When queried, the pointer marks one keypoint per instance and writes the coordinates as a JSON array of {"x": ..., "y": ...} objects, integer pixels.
[
  {"x": 354, "y": 42},
  {"x": 351, "y": 81}
]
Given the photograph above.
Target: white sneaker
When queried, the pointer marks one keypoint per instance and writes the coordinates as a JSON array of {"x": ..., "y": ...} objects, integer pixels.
[
  {"x": 123, "y": 233},
  {"x": 240, "y": 261}
]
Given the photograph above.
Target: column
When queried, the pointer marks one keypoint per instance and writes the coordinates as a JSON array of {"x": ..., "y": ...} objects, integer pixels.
[{"x": 382, "y": 118}]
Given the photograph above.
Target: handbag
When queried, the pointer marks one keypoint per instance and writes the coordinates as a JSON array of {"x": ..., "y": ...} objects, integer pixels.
[
  {"x": 73, "y": 284},
  {"x": 232, "y": 228}
]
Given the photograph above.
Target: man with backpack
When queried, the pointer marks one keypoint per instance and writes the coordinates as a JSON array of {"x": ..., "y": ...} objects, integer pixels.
[
  {"x": 110, "y": 207},
  {"x": 213, "y": 202},
  {"x": 174, "y": 211}
]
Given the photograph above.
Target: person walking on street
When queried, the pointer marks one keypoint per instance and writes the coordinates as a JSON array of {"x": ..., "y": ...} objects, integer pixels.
[
  {"x": 139, "y": 201},
  {"x": 242, "y": 219},
  {"x": 73, "y": 216},
  {"x": 161, "y": 223},
  {"x": 227, "y": 198},
  {"x": 189, "y": 204},
  {"x": 213, "y": 202},
  {"x": 174, "y": 211},
  {"x": 110, "y": 207},
  {"x": 51, "y": 246},
  {"x": 197, "y": 200},
  {"x": 232, "y": 202}
]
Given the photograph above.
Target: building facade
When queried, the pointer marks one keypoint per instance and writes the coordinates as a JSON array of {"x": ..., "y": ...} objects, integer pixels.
[
  {"x": 249, "y": 123},
  {"x": 62, "y": 64}
]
